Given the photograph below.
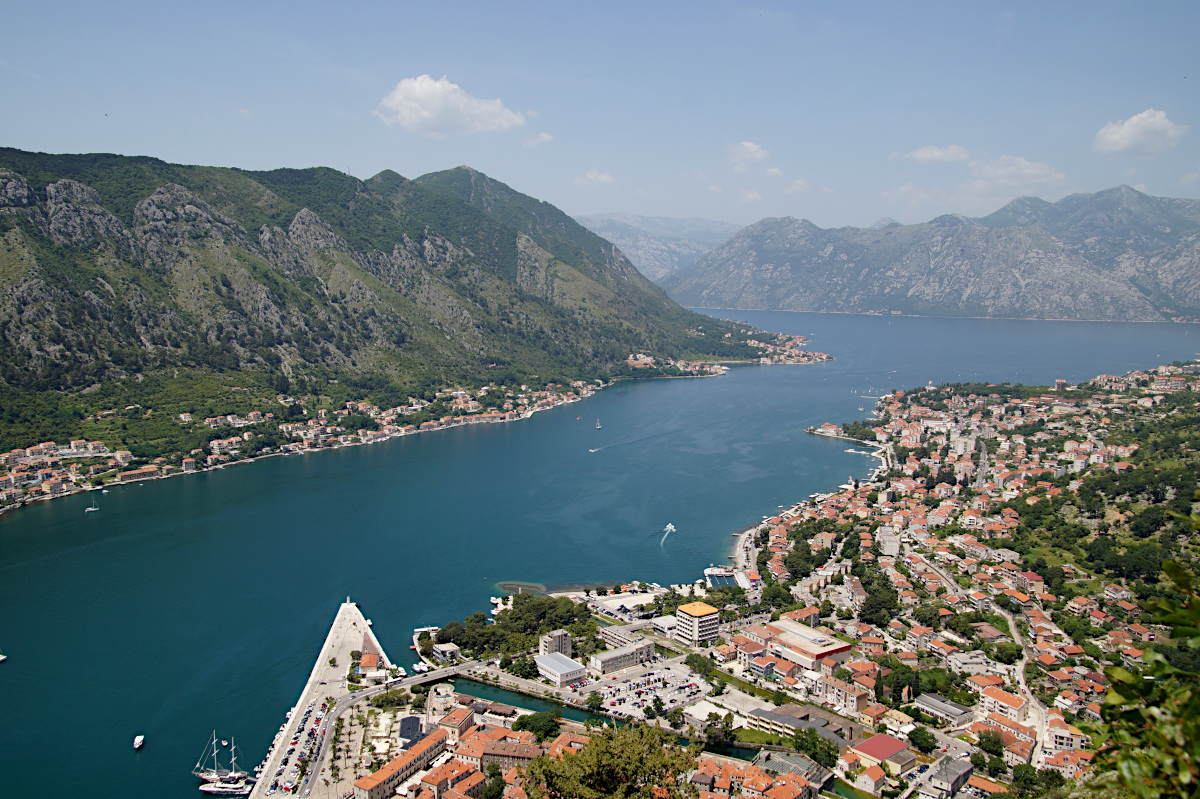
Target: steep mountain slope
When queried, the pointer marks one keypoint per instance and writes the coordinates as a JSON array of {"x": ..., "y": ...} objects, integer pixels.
[
  {"x": 1114, "y": 255},
  {"x": 658, "y": 246},
  {"x": 113, "y": 266}
]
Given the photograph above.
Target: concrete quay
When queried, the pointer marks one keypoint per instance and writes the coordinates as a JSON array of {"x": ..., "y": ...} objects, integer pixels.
[{"x": 349, "y": 632}]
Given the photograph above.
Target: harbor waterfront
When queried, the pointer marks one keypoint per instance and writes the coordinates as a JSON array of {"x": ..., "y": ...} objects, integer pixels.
[{"x": 199, "y": 603}]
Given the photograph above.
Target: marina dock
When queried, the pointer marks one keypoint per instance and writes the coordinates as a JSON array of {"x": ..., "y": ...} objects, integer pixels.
[{"x": 350, "y": 632}]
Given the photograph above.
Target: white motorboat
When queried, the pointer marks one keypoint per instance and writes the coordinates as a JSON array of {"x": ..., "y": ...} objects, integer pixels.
[{"x": 138, "y": 741}]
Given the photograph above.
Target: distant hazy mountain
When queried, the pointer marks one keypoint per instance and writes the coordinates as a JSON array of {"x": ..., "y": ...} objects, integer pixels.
[
  {"x": 1114, "y": 255},
  {"x": 659, "y": 245}
]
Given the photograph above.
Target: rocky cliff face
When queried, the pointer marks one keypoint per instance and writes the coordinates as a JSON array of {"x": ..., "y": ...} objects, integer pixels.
[
  {"x": 110, "y": 267},
  {"x": 1117, "y": 255}
]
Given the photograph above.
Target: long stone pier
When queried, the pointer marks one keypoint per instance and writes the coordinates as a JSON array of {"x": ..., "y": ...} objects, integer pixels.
[{"x": 350, "y": 632}]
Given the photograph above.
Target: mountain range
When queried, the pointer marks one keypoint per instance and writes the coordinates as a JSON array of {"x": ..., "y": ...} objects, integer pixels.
[
  {"x": 1116, "y": 255},
  {"x": 658, "y": 245},
  {"x": 114, "y": 267}
]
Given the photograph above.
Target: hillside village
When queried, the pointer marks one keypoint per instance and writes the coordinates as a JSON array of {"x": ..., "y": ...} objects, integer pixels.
[
  {"x": 939, "y": 630},
  {"x": 49, "y": 470}
]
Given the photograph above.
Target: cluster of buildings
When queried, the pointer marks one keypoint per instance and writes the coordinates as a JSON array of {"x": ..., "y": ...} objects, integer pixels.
[
  {"x": 49, "y": 469},
  {"x": 961, "y": 458},
  {"x": 460, "y": 740}
]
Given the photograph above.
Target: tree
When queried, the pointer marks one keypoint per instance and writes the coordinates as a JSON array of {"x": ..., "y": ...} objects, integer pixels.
[
  {"x": 928, "y": 616},
  {"x": 544, "y": 725},
  {"x": 777, "y": 596},
  {"x": 1154, "y": 717},
  {"x": 494, "y": 787},
  {"x": 923, "y": 739},
  {"x": 626, "y": 762},
  {"x": 718, "y": 729},
  {"x": 594, "y": 702},
  {"x": 1008, "y": 653},
  {"x": 881, "y": 606},
  {"x": 809, "y": 742},
  {"x": 700, "y": 664},
  {"x": 991, "y": 742}
]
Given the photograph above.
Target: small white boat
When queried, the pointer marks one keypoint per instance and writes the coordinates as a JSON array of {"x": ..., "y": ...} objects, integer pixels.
[
  {"x": 3, "y": 657},
  {"x": 598, "y": 424},
  {"x": 94, "y": 506},
  {"x": 138, "y": 741}
]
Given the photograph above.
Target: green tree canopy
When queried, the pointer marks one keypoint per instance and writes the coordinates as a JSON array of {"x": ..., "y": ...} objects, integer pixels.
[
  {"x": 633, "y": 762},
  {"x": 544, "y": 725}
]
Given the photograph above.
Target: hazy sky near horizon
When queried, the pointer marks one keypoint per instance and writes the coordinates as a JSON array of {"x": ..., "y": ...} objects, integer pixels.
[{"x": 836, "y": 112}]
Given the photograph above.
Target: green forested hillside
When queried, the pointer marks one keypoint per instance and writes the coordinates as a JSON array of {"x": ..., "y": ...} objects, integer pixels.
[{"x": 116, "y": 269}]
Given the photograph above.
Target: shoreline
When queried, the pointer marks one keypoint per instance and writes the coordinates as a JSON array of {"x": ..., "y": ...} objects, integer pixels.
[
  {"x": 529, "y": 412},
  {"x": 890, "y": 315}
]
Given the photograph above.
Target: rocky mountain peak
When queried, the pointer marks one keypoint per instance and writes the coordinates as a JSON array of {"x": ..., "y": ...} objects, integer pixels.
[{"x": 15, "y": 191}]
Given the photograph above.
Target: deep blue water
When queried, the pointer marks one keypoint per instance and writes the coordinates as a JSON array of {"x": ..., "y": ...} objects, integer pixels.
[{"x": 199, "y": 602}]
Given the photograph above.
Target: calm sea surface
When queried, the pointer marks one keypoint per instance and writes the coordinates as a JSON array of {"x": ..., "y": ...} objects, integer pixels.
[{"x": 199, "y": 602}]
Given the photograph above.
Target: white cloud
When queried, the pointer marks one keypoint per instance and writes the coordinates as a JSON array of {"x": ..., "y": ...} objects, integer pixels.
[
  {"x": 932, "y": 154},
  {"x": 1012, "y": 172},
  {"x": 594, "y": 177},
  {"x": 744, "y": 153},
  {"x": 1190, "y": 178},
  {"x": 798, "y": 185},
  {"x": 774, "y": 172},
  {"x": 1146, "y": 133},
  {"x": 439, "y": 108},
  {"x": 244, "y": 113},
  {"x": 714, "y": 188},
  {"x": 539, "y": 140},
  {"x": 747, "y": 196}
]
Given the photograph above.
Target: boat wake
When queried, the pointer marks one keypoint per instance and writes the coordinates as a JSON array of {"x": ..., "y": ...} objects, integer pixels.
[{"x": 670, "y": 528}]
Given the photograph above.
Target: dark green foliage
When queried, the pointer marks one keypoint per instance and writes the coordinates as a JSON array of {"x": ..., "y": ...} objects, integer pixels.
[
  {"x": 923, "y": 739},
  {"x": 516, "y": 629},
  {"x": 544, "y": 725},
  {"x": 700, "y": 664},
  {"x": 991, "y": 743},
  {"x": 808, "y": 742}
]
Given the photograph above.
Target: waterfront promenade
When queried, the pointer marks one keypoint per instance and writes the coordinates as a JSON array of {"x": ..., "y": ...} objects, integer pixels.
[{"x": 349, "y": 633}]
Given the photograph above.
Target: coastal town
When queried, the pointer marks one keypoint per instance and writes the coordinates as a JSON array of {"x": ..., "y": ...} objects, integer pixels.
[
  {"x": 941, "y": 629},
  {"x": 298, "y": 425}
]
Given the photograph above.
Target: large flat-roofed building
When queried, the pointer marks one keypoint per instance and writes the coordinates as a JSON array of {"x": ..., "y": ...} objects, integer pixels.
[
  {"x": 804, "y": 645},
  {"x": 559, "y": 669},
  {"x": 697, "y": 622},
  {"x": 622, "y": 657},
  {"x": 941, "y": 708},
  {"x": 617, "y": 635},
  {"x": 383, "y": 783}
]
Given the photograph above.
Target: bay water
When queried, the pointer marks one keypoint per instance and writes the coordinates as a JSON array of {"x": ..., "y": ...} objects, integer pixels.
[{"x": 199, "y": 602}]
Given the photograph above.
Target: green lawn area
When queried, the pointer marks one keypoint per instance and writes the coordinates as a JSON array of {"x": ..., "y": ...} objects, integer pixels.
[{"x": 757, "y": 737}]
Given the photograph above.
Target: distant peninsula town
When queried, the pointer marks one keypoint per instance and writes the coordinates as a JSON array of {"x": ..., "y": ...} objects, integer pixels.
[{"x": 949, "y": 627}]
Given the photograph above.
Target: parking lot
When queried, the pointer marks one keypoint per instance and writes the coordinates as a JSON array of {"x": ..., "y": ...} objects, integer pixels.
[{"x": 631, "y": 691}]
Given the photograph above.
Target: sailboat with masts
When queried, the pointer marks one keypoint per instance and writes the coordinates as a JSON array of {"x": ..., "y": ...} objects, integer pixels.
[{"x": 211, "y": 772}]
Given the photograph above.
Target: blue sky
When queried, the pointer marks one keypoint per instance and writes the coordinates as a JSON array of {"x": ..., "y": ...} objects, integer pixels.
[{"x": 836, "y": 112}]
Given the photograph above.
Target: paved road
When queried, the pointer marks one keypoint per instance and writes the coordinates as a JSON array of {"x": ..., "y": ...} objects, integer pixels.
[{"x": 1039, "y": 711}]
